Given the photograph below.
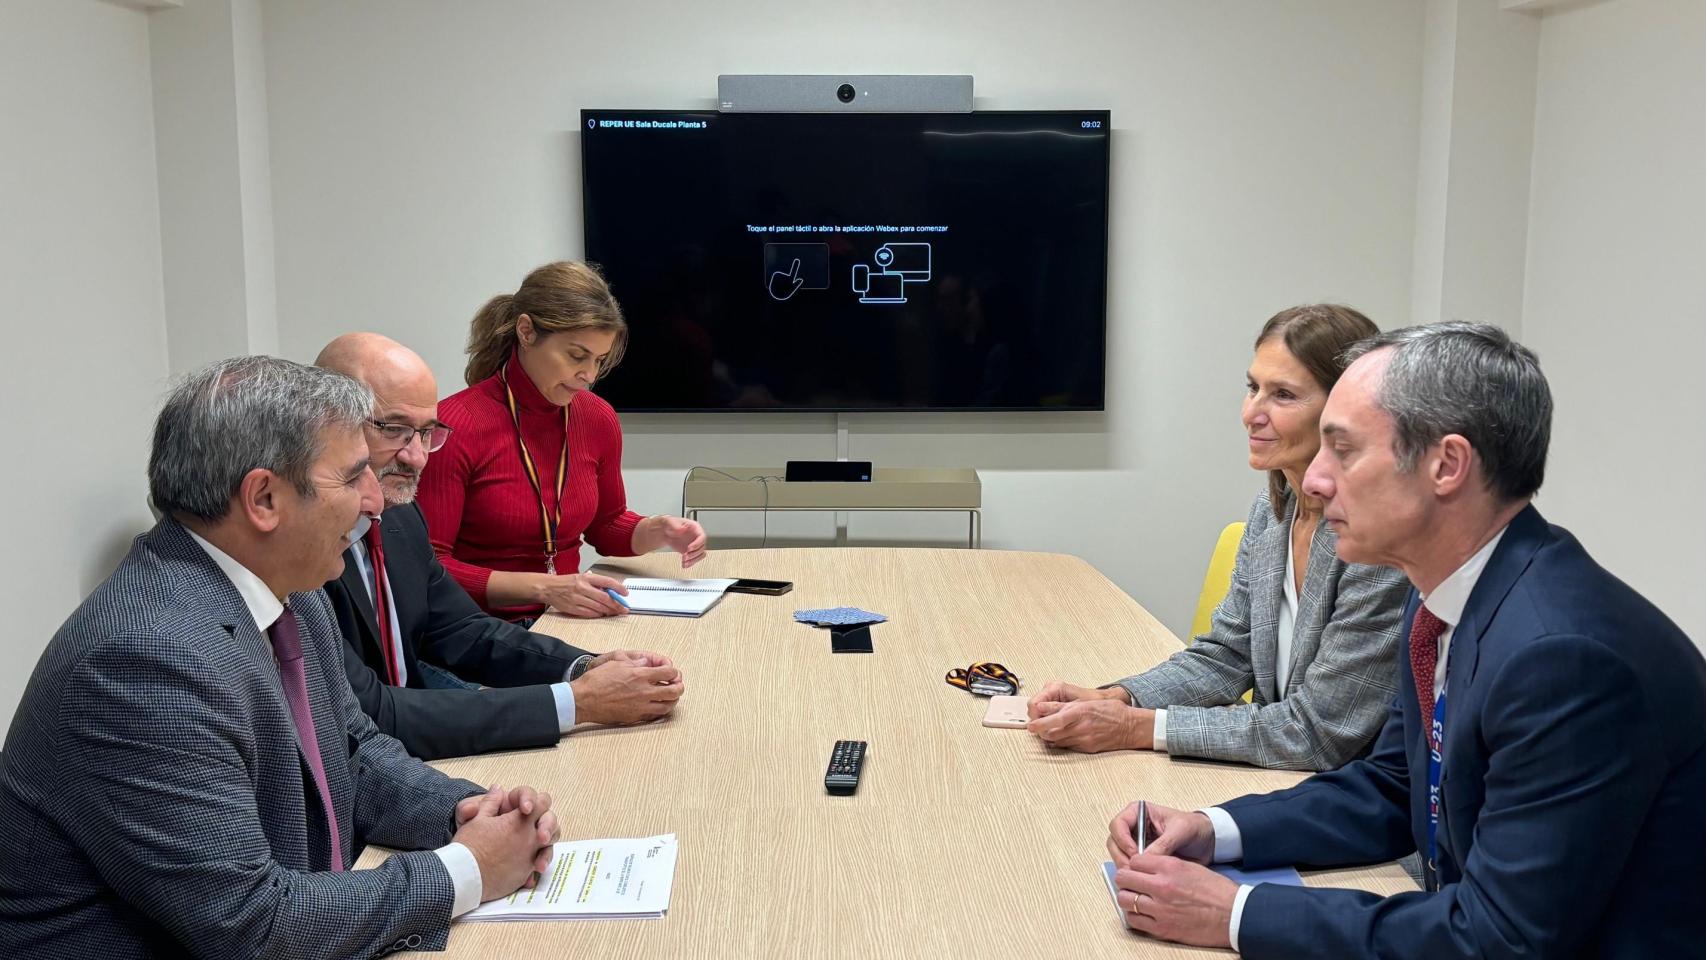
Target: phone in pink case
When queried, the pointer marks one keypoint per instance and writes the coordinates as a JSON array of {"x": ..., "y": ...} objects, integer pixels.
[{"x": 1007, "y": 712}]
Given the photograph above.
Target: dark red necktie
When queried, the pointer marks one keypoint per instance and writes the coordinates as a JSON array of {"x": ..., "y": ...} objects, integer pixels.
[
  {"x": 287, "y": 648},
  {"x": 1425, "y": 632},
  {"x": 382, "y": 602}
]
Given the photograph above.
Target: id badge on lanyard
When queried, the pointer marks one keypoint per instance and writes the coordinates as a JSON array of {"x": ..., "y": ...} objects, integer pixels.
[
  {"x": 1436, "y": 741},
  {"x": 550, "y": 520}
]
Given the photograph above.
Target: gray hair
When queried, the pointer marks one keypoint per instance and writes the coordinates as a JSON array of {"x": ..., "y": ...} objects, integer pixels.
[
  {"x": 232, "y": 416},
  {"x": 1473, "y": 380}
]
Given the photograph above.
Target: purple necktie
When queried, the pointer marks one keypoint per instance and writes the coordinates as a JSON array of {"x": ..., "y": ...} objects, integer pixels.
[{"x": 287, "y": 647}]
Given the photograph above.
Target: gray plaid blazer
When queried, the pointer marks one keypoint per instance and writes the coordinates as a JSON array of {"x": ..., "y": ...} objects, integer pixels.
[
  {"x": 154, "y": 801},
  {"x": 1344, "y": 649}
]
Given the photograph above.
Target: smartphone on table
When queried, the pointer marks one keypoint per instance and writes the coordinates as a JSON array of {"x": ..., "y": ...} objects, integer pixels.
[
  {"x": 1009, "y": 712},
  {"x": 768, "y": 588}
]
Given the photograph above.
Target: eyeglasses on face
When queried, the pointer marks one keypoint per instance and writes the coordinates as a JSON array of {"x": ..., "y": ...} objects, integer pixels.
[{"x": 395, "y": 436}]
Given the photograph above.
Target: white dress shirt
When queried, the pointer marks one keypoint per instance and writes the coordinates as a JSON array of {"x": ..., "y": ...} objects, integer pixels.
[
  {"x": 1287, "y": 620},
  {"x": 358, "y": 550},
  {"x": 1445, "y": 602},
  {"x": 266, "y": 608},
  {"x": 1286, "y": 626}
]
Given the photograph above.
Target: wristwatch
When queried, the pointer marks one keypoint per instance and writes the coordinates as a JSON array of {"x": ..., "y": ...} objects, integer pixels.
[{"x": 580, "y": 666}]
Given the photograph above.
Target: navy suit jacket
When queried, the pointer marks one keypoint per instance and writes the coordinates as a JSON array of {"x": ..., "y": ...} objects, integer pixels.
[
  {"x": 443, "y": 625},
  {"x": 1573, "y": 784}
]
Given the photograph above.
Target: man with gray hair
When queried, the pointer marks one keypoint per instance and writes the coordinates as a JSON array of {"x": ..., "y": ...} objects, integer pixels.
[
  {"x": 1547, "y": 750},
  {"x": 188, "y": 773}
]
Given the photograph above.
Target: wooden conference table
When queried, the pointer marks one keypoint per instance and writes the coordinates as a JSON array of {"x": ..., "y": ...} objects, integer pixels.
[{"x": 962, "y": 841}]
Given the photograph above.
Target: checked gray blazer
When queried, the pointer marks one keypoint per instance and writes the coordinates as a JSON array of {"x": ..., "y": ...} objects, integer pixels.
[
  {"x": 154, "y": 801},
  {"x": 1344, "y": 650}
]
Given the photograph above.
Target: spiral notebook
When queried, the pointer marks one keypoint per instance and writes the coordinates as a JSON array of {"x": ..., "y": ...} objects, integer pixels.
[{"x": 674, "y": 598}]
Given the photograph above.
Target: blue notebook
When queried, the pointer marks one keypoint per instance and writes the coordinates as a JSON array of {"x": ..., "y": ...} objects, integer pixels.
[{"x": 1285, "y": 875}]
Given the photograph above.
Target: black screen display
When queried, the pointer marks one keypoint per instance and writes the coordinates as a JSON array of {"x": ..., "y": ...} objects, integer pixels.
[{"x": 858, "y": 262}]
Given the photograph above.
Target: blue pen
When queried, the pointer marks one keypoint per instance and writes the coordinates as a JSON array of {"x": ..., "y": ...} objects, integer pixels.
[{"x": 617, "y": 597}]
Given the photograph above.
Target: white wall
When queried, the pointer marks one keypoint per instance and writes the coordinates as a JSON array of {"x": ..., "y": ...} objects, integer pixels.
[
  {"x": 80, "y": 294},
  {"x": 1616, "y": 290},
  {"x": 210, "y": 121},
  {"x": 425, "y": 156},
  {"x": 1472, "y": 187}
]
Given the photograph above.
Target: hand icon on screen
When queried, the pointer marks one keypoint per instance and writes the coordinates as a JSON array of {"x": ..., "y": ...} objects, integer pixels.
[{"x": 785, "y": 285}]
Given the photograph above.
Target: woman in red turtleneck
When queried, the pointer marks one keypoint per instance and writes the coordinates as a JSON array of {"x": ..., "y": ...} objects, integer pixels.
[{"x": 491, "y": 495}]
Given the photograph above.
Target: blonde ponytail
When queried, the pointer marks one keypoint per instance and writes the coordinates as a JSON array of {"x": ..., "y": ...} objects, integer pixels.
[
  {"x": 490, "y": 338},
  {"x": 567, "y": 295}
]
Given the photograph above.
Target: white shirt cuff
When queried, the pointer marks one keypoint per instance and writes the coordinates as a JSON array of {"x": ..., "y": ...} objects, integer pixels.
[
  {"x": 1237, "y": 914},
  {"x": 1228, "y": 842},
  {"x": 1161, "y": 731},
  {"x": 565, "y": 697},
  {"x": 465, "y": 877}
]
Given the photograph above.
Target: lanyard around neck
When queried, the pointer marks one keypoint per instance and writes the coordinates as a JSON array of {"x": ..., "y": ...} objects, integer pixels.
[
  {"x": 548, "y": 519},
  {"x": 1436, "y": 750}
]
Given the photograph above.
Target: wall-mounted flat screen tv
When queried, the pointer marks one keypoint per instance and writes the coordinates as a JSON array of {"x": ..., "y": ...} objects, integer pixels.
[{"x": 865, "y": 262}]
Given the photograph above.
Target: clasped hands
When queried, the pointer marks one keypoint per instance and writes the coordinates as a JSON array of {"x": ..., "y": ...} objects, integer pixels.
[
  {"x": 511, "y": 835},
  {"x": 1089, "y": 721},
  {"x": 627, "y": 686}
]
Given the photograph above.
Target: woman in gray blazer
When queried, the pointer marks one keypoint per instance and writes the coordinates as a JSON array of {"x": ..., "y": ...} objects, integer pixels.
[{"x": 1313, "y": 639}]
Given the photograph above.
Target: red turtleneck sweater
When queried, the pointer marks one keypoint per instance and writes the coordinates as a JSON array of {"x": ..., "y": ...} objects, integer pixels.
[{"x": 480, "y": 508}]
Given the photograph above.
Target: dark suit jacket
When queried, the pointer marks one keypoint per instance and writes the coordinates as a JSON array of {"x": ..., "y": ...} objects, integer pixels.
[
  {"x": 154, "y": 801},
  {"x": 441, "y": 624},
  {"x": 1573, "y": 781}
]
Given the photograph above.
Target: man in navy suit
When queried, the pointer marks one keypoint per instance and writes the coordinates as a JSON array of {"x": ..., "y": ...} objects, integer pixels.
[{"x": 1547, "y": 749}]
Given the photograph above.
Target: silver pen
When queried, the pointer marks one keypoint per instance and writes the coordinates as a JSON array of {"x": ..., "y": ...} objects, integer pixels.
[{"x": 1140, "y": 829}]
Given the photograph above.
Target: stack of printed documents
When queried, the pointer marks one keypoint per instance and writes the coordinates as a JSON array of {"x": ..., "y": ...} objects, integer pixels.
[{"x": 595, "y": 880}]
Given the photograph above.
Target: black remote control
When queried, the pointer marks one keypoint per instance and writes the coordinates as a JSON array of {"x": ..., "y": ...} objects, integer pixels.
[{"x": 845, "y": 763}]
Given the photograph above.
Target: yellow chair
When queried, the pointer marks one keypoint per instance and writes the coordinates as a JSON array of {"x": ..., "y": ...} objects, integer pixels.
[{"x": 1218, "y": 579}]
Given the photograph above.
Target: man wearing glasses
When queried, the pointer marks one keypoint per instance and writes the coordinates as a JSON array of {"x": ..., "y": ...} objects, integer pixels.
[{"x": 406, "y": 621}]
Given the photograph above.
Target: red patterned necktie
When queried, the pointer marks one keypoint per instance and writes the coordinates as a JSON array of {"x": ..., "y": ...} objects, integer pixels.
[
  {"x": 382, "y": 602},
  {"x": 1425, "y": 632}
]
